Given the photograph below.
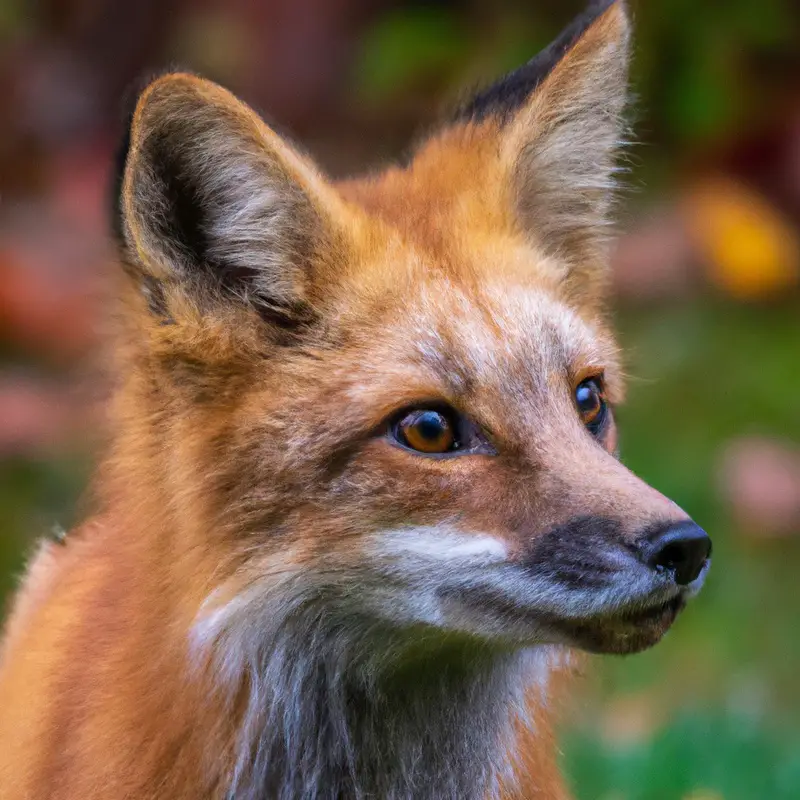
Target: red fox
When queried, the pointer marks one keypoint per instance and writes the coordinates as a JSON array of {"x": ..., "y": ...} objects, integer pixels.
[{"x": 362, "y": 505}]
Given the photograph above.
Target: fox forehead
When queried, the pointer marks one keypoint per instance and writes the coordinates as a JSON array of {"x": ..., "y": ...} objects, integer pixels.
[
  {"x": 468, "y": 313},
  {"x": 506, "y": 353},
  {"x": 494, "y": 336}
]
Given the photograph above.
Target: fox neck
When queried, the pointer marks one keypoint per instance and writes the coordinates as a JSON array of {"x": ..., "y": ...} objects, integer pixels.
[
  {"x": 334, "y": 708},
  {"x": 325, "y": 719}
]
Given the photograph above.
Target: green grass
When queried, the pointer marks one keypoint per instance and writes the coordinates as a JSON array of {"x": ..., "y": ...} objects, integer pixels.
[{"x": 697, "y": 754}]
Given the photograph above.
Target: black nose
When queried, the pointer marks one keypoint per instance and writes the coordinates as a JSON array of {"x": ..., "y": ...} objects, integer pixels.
[{"x": 683, "y": 549}]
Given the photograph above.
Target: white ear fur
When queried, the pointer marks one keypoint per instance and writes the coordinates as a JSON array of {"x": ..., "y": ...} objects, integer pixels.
[{"x": 211, "y": 196}]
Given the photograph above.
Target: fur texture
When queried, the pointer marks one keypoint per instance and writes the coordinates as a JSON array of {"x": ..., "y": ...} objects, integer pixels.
[{"x": 277, "y": 597}]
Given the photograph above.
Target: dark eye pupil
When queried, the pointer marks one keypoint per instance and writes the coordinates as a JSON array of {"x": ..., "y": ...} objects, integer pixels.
[
  {"x": 428, "y": 431},
  {"x": 587, "y": 396},
  {"x": 430, "y": 425},
  {"x": 591, "y": 405}
]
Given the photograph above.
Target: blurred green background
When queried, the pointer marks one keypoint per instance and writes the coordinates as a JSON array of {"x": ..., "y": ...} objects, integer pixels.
[{"x": 706, "y": 289}]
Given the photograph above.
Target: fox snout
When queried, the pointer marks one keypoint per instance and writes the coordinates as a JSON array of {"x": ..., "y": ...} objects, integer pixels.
[
  {"x": 587, "y": 552},
  {"x": 610, "y": 591}
]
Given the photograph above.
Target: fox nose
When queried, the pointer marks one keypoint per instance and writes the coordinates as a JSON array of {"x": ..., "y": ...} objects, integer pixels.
[{"x": 683, "y": 549}]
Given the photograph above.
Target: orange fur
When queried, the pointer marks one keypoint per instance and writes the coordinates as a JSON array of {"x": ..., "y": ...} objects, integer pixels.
[{"x": 244, "y": 420}]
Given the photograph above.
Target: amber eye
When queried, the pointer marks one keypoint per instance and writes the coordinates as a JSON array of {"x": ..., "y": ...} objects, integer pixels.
[
  {"x": 591, "y": 404},
  {"x": 428, "y": 431}
]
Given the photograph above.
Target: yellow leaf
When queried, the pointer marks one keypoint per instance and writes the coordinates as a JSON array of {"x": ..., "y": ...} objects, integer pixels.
[{"x": 750, "y": 250}]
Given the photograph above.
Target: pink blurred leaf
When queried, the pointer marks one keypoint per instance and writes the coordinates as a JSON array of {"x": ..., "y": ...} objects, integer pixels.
[{"x": 760, "y": 481}]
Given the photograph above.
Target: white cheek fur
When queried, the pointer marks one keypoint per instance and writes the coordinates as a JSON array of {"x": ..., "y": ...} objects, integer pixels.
[{"x": 439, "y": 543}]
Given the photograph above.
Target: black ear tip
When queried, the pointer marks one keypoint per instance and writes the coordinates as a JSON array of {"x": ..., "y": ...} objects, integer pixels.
[{"x": 510, "y": 93}]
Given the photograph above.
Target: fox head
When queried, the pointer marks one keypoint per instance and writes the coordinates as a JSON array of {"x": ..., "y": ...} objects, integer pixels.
[{"x": 389, "y": 402}]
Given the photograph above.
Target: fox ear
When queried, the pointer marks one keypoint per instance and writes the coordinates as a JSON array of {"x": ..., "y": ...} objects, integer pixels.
[
  {"x": 560, "y": 121},
  {"x": 213, "y": 200}
]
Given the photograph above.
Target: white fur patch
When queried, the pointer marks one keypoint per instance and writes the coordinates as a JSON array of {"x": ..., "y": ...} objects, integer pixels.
[{"x": 442, "y": 543}]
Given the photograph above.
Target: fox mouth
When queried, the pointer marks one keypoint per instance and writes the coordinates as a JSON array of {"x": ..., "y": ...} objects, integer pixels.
[
  {"x": 659, "y": 614},
  {"x": 626, "y": 629},
  {"x": 630, "y": 631},
  {"x": 623, "y": 632}
]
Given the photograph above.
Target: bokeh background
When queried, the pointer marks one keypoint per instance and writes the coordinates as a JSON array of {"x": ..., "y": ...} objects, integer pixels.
[{"x": 706, "y": 287}]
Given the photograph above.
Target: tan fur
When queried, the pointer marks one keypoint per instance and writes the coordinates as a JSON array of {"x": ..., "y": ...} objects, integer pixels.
[{"x": 245, "y": 454}]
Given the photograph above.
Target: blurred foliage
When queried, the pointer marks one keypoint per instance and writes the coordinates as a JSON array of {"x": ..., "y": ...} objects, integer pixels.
[
  {"x": 750, "y": 248},
  {"x": 407, "y": 47},
  {"x": 13, "y": 19},
  {"x": 708, "y": 757},
  {"x": 694, "y": 61},
  {"x": 37, "y": 496},
  {"x": 699, "y": 69}
]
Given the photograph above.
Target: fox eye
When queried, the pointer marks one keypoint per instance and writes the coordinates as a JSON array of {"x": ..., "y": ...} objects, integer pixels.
[
  {"x": 428, "y": 430},
  {"x": 439, "y": 431},
  {"x": 591, "y": 402}
]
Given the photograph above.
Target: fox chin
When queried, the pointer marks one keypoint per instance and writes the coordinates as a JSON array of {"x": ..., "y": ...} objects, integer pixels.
[{"x": 362, "y": 503}]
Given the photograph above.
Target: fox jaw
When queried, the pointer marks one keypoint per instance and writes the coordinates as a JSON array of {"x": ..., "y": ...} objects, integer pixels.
[{"x": 386, "y": 407}]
